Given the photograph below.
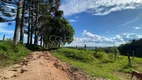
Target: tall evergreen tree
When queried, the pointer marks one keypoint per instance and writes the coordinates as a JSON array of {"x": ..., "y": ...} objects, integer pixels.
[
  {"x": 44, "y": 20},
  {"x": 32, "y": 21},
  {"x": 22, "y": 22},
  {"x": 36, "y": 22},
  {"x": 18, "y": 18},
  {"x": 29, "y": 22}
]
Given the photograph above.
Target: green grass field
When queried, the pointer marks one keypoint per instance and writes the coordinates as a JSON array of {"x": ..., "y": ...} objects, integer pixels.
[{"x": 98, "y": 65}]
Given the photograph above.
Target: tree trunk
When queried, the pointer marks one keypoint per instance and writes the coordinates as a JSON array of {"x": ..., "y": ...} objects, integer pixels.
[
  {"x": 17, "y": 27},
  {"x": 36, "y": 22},
  {"x": 22, "y": 23},
  {"x": 32, "y": 22},
  {"x": 29, "y": 25},
  {"x": 96, "y": 50},
  {"x": 3, "y": 37},
  {"x": 41, "y": 41},
  {"x": 85, "y": 46},
  {"x": 76, "y": 47},
  {"x": 133, "y": 54}
]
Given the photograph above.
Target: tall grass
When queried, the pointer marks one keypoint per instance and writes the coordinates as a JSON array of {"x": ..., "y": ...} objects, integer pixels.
[{"x": 9, "y": 53}]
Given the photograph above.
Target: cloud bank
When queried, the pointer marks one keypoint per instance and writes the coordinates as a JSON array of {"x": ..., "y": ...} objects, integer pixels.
[
  {"x": 91, "y": 39},
  {"x": 137, "y": 28},
  {"x": 97, "y": 7}
]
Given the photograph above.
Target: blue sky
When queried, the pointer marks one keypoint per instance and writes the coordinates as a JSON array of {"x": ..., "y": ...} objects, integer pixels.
[
  {"x": 99, "y": 22},
  {"x": 104, "y": 22}
]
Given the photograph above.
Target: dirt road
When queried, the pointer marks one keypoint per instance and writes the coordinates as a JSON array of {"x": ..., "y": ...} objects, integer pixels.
[{"x": 41, "y": 66}]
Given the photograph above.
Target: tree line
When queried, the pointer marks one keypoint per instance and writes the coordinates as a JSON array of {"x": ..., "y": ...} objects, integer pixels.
[
  {"x": 40, "y": 20},
  {"x": 133, "y": 48}
]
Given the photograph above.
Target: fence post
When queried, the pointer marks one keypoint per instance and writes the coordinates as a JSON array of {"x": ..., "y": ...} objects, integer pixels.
[
  {"x": 133, "y": 54},
  {"x": 3, "y": 37},
  {"x": 85, "y": 46},
  {"x": 129, "y": 60},
  {"x": 76, "y": 46},
  {"x": 96, "y": 50}
]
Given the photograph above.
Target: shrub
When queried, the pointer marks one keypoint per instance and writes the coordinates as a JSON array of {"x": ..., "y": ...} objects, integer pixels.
[
  {"x": 3, "y": 54},
  {"x": 99, "y": 55},
  {"x": 35, "y": 47},
  {"x": 77, "y": 54}
]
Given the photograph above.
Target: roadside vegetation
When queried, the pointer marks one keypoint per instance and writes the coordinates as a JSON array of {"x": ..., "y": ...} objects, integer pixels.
[
  {"x": 10, "y": 54},
  {"x": 99, "y": 64}
]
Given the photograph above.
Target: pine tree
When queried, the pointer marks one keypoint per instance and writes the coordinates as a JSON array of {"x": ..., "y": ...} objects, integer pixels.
[
  {"x": 22, "y": 23},
  {"x": 18, "y": 18}
]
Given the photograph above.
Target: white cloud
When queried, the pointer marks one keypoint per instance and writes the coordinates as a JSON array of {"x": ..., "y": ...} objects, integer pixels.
[
  {"x": 94, "y": 37},
  {"x": 137, "y": 28},
  {"x": 97, "y": 7},
  {"x": 140, "y": 36},
  {"x": 113, "y": 9},
  {"x": 128, "y": 36},
  {"x": 131, "y": 21},
  {"x": 76, "y": 17},
  {"x": 3, "y": 29},
  {"x": 8, "y": 8},
  {"x": 11, "y": 7},
  {"x": 91, "y": 39},
  {"x": 72, "y": 20}
]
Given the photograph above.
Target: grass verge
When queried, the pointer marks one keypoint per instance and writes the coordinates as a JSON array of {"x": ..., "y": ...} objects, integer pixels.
[{"x": 10, "y": 54}]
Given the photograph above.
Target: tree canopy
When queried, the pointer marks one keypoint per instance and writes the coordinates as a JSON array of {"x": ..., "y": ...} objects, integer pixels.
[
  {"x": 41, "y": 20},
  {"x": 134, "y": 47}
]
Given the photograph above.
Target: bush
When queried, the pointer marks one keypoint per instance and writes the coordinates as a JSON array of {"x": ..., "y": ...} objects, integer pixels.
[
  {"x": 81, "y": 55},
  {"x": 3, "y": 54},
  {"x": 99, "y": 55},
  {"x": 111, "y": 56},
  {"x": 35, "y": 47}
]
